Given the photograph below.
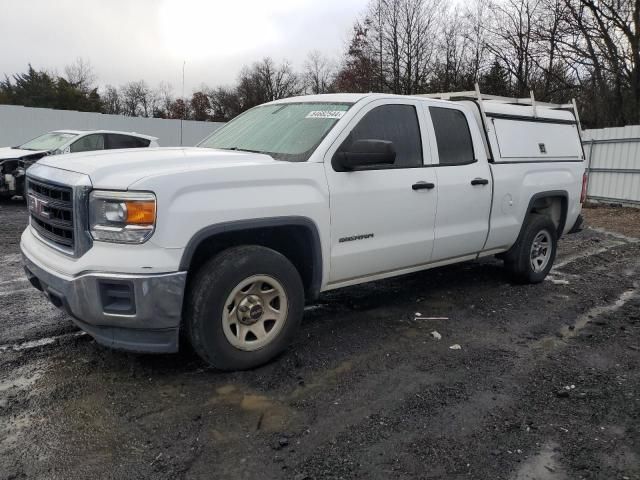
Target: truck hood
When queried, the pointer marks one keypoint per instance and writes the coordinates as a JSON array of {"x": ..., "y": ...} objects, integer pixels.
[
  {"x": 119, "y": 169},
  {"x": 8, "y": 152}
]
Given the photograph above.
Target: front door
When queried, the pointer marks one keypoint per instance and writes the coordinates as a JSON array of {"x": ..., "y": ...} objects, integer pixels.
[{"x": 382, "y": 217}]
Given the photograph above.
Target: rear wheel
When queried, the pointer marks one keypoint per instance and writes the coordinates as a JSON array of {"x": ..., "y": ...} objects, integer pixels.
[
  {"x": 532, "y": 257},
  {"x": 244, "y": 307}
]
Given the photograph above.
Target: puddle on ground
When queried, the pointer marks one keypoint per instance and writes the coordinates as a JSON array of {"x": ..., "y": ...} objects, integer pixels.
[
  {"x": 10, "y": 258},
  {"x": 20, "y": 290},
  {"x": 584, "y": 319},
  {"x": 586, "y": 253},
  {"x": 11, "y": 431},
  {"x": 411, "y": 333},
  {"x": 550, "y": 343},
  {"x": 322, "y": 379},
  {"x": 226, "y": 390},
  {"x": 616, "y": 235},
  {"x": 270, "y": 415},
  {"x": 567, "y": 332},
  {"x": 13, "y": 279},
  {"x": 41, "y": 342},
  {"x": 435, "y": 306},
  {"x": 316, "y": 306},
  {"x": 21, "y": 382},
  {"x": 543, "y": 466}
]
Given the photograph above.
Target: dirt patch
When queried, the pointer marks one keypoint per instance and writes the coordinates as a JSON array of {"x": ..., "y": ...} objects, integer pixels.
[{"x": 624, "y": 220}]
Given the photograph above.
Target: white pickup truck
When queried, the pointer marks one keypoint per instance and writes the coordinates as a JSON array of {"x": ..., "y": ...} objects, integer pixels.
[{"x": 225, "y": 242}]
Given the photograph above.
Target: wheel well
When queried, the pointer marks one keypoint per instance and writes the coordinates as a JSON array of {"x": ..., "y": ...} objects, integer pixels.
[
  {"x": 553, "y": 206},
  {"x": 296, "y": 242}
]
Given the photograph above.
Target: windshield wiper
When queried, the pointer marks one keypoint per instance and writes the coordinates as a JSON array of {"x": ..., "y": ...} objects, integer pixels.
[{"x": 242, "y": 150}]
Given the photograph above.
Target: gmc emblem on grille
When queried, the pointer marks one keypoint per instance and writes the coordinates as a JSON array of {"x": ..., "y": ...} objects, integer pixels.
[{"x": 38, "y": 206}]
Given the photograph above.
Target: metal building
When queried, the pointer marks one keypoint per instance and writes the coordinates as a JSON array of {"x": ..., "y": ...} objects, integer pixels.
[{"x": 613, "y": 164}]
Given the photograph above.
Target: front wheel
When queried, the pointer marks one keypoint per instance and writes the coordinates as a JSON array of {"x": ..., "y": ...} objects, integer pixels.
[
  {"x": 244, "y": 307},
  {"x": 532, "y": 257}
]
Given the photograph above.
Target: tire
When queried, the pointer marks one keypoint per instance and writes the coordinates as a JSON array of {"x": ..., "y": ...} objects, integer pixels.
[
  {"x": 520, "y": 262},
  {"x": 230, "y": 313}
]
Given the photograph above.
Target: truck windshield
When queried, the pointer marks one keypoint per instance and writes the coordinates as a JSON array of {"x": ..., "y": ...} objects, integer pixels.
[
  {"x": 48, "y": 141},
  {"x": 286, "y": 131}
]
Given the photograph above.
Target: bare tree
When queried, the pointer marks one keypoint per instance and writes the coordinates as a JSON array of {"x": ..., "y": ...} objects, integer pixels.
[
  {"x": 200, "y": 106},
  {"x": 179, "y": 109},
  {"x": 164, "y": 99},
  {"x": 111, "y": 100},
  {"x": 453, "y": 65},
  {"x": 137, "y": 99},
  {"x": 278, "y": 81},
  {"x": 477, "y": 20},
  {"x": 616, "y": 24},
  {"x": 402, "y": 41},
  {"x": 551, "y": 28},
  {"x": 360, "y": 71},
  {"x": 318, "y": 72},
  {"x": 512, "y": 39},
  {"x": 80, "y": 74},
  {"x": 265, "y": 81},
  {"x": 225, "y": 103}
]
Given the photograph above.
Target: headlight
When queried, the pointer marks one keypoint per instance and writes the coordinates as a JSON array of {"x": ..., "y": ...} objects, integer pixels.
[{"x": 122, "y": 217}]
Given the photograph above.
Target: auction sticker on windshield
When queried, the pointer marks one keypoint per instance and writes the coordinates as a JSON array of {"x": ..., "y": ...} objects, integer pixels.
[{"x": 326, "y": 114}]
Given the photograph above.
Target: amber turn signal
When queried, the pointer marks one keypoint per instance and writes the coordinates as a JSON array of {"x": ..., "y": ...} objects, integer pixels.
[{"x": 141, "y": 212}]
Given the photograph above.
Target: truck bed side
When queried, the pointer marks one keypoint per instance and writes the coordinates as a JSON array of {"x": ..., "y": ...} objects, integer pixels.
[{"x": 517, "y": 186}]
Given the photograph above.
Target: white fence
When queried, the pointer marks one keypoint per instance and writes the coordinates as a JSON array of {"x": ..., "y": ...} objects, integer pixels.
[
  {"x": 19, "y": 124},
  {"x": 613, "y": 164}
]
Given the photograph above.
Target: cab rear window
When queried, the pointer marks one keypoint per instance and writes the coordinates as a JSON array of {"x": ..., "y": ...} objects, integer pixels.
[{"x": 125, "y": 141}]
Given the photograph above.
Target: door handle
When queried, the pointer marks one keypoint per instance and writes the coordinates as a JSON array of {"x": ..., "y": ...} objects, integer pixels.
[
  {"x": 479, "y": 181},
  {"x": 423, "y": 186}
]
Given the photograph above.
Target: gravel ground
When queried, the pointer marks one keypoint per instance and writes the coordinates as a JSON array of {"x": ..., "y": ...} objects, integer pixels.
[{"x": 546, "y": 384}]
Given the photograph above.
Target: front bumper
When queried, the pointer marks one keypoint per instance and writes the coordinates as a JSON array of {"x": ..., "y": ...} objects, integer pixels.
[{"x": 133, "y": 312}]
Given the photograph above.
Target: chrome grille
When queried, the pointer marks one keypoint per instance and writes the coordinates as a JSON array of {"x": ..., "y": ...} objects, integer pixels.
[{"x": 51, "y": 211}]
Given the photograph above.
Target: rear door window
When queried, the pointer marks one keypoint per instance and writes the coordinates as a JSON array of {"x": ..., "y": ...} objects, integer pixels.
[
  {"x": 455, "y": 146},
  {"x": 88, "y": 143},
  {"x": 115, "y": 141}
]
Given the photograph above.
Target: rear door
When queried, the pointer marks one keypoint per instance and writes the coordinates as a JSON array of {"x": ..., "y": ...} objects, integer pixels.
[
  {"x": 464, "y": 183},
  {"x": 380, "y": 221}
]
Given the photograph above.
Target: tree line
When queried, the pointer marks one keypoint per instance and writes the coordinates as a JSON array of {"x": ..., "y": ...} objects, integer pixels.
[{"x": 559, "y": 49}]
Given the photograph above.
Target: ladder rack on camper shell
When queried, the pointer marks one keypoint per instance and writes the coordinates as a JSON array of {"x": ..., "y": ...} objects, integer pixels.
[{"x": 481, "y": 98}]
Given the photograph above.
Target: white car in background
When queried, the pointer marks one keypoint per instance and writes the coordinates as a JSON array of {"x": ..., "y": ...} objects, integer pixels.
[{"x": 15, "y": 160}]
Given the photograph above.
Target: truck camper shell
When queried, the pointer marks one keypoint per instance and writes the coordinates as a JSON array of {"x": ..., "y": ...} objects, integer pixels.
[{"x": 521, "y": 130}]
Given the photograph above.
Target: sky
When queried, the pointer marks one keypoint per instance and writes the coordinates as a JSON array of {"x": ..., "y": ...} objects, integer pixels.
[{"x": 149, "y": 40}]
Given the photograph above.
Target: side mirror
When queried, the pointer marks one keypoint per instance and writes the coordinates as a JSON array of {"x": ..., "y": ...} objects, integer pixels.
[{"x": 364, "y": 153}]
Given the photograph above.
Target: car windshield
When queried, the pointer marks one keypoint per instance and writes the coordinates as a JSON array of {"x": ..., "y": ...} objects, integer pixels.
[
  {"x": 48, "y": 141},
  {"x": 286, "y": 131}
]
